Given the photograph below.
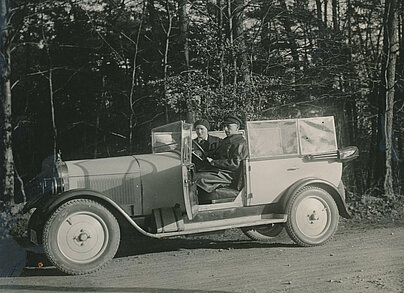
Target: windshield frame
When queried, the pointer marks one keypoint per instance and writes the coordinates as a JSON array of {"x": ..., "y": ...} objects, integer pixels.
[{"x": 173, "y": 137}]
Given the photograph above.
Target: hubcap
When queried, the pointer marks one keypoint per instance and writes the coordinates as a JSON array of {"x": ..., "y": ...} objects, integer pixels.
[
  {"x": 82, "y": 237},
  {"x": 313, "y": 216}
]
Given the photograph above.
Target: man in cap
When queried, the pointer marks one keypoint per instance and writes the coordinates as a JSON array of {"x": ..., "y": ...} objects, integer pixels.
[{"x": 225, "y": 161}]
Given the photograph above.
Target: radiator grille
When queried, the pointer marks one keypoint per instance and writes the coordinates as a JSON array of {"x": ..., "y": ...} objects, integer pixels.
[{"x": 122, "y": 189}]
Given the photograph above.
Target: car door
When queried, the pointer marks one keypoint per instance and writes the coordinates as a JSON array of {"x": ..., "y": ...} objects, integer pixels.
[
  {"x": 189, "y": 188},
  {"x": 278, "y": 152},
  {"x": 274, "y": 161}
]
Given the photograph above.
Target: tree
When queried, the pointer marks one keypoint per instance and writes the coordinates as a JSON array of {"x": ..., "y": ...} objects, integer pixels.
[
  {"x": 7, "y": 162},
  {"x": 6, "y": 152},
  {"x": 389, "y": 80},
  {"x": 239, "y": 34},
  {"x": 183, "y": 40}
]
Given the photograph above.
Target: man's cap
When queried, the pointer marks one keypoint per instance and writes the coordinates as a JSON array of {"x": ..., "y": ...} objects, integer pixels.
[
  {"x": 202, "y": 122},
  {"x": 232, "y": 120}
]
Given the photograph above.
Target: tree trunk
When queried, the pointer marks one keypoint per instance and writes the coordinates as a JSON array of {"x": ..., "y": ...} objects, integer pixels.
[
  {"x": 132, "y": 114},
  {"x": 400, "y": 118},
  {"x": 240, "y": 40},
  {"x": 231, "y": 41},
  {"x": 318, "y": 10},
  {"x": 7, "y": 161},
  {"x": 335, "y": 15},
  {"x": 165, "y": 59},
  {"x": 157, "y": 37},
  {"x": 287, "y": 24},
  {"x": 392, "y": 48},
  {"x": 349, "y": 24},
  {"x": 184, "y": 31},
  {"x": 220, "y": 45},
  {"x": 184, "y": 43},
  {"x": 52, "y": 107}
]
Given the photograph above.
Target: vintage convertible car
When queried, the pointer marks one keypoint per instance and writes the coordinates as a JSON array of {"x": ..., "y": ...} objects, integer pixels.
[{"x": 291, "y": 179}]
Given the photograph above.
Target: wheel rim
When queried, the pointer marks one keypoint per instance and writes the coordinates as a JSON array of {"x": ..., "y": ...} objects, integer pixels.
[
  {"x": 313, "y": 216},
  {"x": 82, "y": 237}
]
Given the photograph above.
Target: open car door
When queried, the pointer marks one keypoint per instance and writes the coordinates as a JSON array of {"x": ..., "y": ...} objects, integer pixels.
[
  {"x": 189, "y": 188},
  {"x": 176, "y": 137}
]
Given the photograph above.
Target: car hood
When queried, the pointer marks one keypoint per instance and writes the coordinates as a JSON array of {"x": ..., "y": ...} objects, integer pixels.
[{"x": 119, "y": 165}]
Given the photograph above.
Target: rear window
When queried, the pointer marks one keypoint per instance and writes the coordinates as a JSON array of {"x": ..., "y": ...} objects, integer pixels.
[
  {"x": 317, "y": 135},
  {"x": 272, "y": 138}
]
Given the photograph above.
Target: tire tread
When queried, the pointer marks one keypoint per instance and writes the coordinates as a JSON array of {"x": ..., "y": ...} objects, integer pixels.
[
  {"x": 47, "y": 227},
  {"x": 288, "y": 224}
]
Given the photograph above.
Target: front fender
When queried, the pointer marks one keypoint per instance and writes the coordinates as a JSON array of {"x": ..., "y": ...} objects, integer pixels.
[
  {"x": 327, "y": 186},
  {"x": 53, "y": 202}
]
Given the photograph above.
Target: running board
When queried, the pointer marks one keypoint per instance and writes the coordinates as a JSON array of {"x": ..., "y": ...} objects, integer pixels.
[{"x": 222, "y": 224}]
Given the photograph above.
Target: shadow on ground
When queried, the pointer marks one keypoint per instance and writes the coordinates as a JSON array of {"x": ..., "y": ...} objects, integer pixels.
[
  {"x": 137, "y": 244},
  {"x": 142, "y": 245},
  {"x": 44, "y": 288}
]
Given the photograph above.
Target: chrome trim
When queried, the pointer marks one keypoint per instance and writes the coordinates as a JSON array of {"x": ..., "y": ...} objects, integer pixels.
[{"x": 63, "y": 173}]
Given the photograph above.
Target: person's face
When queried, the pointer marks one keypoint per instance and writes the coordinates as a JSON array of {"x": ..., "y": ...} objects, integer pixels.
[
  {"x": 230, "y": 129},
  {"x": 201, "y": 132}
]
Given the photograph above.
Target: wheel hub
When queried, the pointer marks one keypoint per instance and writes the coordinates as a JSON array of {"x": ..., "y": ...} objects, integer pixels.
[
  {"x": 313, "y": 216},
  {"x": 82, "y": 237}
]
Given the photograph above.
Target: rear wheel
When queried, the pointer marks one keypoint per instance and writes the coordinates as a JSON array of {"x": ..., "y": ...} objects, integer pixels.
[
  {"x": 312, "y": 216},
  {"x": 263, "y": 233},
  {"x": 81, "y": 236}
]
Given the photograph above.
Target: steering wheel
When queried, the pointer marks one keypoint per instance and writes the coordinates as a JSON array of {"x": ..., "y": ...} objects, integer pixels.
[{"x": 202, "y": 158}]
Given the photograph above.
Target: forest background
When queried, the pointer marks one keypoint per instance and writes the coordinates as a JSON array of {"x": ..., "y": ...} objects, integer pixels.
[{"x": 90, "y": 78}]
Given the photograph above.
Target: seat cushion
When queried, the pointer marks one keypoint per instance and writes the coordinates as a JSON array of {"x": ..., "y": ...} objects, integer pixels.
[{"x": 218, "y": 195}]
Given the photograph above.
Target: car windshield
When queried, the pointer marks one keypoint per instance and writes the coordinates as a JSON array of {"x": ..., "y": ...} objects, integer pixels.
[{"x": 175, "y": 137}]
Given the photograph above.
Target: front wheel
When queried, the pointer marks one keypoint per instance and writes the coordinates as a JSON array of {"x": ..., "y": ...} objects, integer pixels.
[
  {"x": 81, "y": 236},
  {"x": 263, "y": 233},
  {"x": 312, "y": 216}
]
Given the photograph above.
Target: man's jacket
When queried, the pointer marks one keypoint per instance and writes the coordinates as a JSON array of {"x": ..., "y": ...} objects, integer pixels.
[{"x": 230, "y": 152}]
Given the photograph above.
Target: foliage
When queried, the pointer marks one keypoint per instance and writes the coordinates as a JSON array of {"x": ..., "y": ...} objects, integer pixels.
[
  {"x": 368, "y": 207},
  {"x": 9, "y": 218},
  {"x": 93, "y": 57}
]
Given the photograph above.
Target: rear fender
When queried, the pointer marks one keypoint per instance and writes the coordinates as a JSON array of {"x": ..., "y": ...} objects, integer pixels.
[{"x": 327, "y": 186}]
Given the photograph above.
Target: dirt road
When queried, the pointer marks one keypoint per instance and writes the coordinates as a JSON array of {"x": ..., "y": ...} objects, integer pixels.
[{"x": 358, "y": 259}]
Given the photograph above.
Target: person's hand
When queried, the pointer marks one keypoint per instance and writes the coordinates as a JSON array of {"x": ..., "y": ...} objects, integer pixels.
[{"x": 209, "y": 159}]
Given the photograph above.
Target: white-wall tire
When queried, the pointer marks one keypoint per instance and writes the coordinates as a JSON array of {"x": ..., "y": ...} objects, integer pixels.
[
  {"x": 312, "y": 216},
  {"x": 81, "y": 236}
]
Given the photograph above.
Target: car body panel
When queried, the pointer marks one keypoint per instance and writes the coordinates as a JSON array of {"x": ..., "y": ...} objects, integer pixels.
[
  {"x": 121, "y": 180},
  {"x": 270, "y": 178},
  {"x": 118, "y": 178}
]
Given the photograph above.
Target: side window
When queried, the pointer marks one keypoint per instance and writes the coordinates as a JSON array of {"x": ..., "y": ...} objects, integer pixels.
[
  {"x": 317, "y": 135},
  {"x": 272, "y": 138}
]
